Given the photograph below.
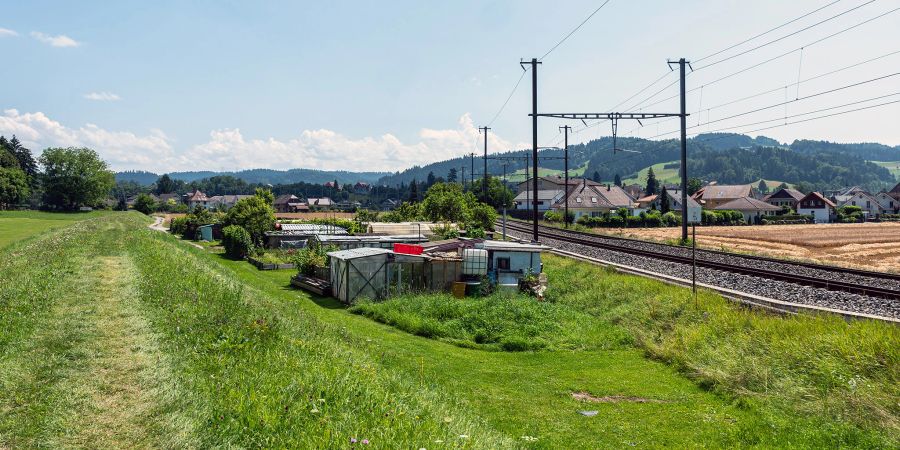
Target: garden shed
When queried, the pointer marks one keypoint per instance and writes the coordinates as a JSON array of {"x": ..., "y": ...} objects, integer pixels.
[
  {"x": 360, "y": 241},
  {"x": 509, "y": 261},
  {"x": 374, "y": 273}
]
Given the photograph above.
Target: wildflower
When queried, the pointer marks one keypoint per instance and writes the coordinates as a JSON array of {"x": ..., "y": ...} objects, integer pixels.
[
  {"x": 365, "y": 442},
  {"x": 352, "y": 440},
  {"x": 314, "y": 410}
]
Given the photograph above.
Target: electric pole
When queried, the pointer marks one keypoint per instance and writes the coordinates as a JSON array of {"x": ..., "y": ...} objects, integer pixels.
[
  {"x": 684, "y": 181},
  {"x": 566, "y": 129},
  {"x": 484, "y": 183},
  {"x": 472, "y": 171},
  {"x": 534, "y": 146}
]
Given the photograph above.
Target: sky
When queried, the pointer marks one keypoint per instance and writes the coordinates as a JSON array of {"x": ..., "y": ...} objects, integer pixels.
[{"x": 382, "y": 86}]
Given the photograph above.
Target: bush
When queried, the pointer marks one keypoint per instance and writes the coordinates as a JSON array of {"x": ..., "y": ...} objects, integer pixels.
[
  {"x": 311, "y": 259},
  {"x": 254, "y": 214},
  {"x": 237, "y": 242},
  {"x": 145, "y": 204},
  {"x": 366, "y": 216},
  {"x": 445, "y": 231}
]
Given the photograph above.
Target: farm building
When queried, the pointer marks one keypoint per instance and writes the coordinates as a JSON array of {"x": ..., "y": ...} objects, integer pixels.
[
  {"x": 713, "y": 195},
  {"x": 784, "y": 197},
  {"x": 753, "y": 210}
]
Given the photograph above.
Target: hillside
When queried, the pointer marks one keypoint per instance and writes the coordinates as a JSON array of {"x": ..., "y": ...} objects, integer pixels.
[
  {"x": 725, "y": 157},
  {"x": 263, "y": 176}
]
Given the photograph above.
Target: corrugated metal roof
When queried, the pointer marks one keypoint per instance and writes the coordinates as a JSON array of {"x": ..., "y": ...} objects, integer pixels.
[
  {"x": 313, "y": 228},
  {"x": 361, "y": 252},
  {"x": 514, "y": 246}
]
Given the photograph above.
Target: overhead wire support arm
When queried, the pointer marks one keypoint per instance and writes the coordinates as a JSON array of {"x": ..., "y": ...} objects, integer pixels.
[{"x": 608, "y": 116}]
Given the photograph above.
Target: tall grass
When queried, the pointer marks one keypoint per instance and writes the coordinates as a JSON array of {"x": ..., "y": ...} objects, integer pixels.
[
  {"x": 503, "y": 321},
  {"x": 841, "y": 377}
]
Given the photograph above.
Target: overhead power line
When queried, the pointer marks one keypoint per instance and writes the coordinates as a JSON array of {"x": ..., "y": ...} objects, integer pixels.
[
  {"x": 798, "y": 99},
  {"x": 766, "y": 44},
  {"x": 765, "y": 32},
  {"x": 508, "y": 97},
  {"x": 574, "y": 30}
]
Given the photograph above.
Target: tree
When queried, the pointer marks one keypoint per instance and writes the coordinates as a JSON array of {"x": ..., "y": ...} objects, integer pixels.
[
  {"x": 498, "y": 195},
  {"x": 446, "y": 202},
  {"x": 23, "y": 156},
  {"x": 165, "y": 185},
  {"x": 145, "y": 204},
  {"x": 664, "y": 205},
  {"x": 413, "y": 191},
  {"x": 75, "y": 177},
  {"x": 596, "y": 176},
  {"x": 254, "y": 214},
  {"x": 430, "y": 180},
  {"x": 652, "y": 184},
  {"x": 694, "y": 185},
  {"x": 451, "y": 175},
  {"x": 617, "y": 180},
  {"x": 266, "y": 195},
  {"x": 763, "y": 187},
  {"x": 13, "y": 187},
  {"x": 237, "y": 242}
]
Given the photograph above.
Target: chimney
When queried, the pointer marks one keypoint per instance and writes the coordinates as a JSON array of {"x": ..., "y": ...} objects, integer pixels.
[{"x": 607, "y": 187}]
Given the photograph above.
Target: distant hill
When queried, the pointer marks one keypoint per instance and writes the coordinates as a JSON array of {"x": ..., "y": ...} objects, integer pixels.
[
  {"x": 263, "y": 176},
  {"x": 725, "y": 157}
]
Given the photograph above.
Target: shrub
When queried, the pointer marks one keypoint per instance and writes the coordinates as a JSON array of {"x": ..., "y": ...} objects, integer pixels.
[
  {"x": 254, "y": 214},
  {"x": 313, "y": 258},
  {"x": 670, "y": 219},
  {"x": 365, "y": 216},
  {"x": 145, "y": 204},
  {"x": 237, "y": 242},
  {"x": 445, "y": 231}
]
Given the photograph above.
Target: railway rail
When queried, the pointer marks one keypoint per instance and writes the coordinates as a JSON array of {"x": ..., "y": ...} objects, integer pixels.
[{"x": 863, "y": 283}]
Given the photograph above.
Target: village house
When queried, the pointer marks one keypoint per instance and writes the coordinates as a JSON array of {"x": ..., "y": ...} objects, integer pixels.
[
  {"x": 862, "y": 199},
  {"x": 196, "y": 199},
  {"x": 890, "y": 204},
  {"x": 320, "y": 203},
  {"x": 593, "y": 199},
  {"x": 636, "y": 191},
  {"x": 753, "y": 210},
  {"x": 816, "y": 205},
  {"x": 784, "y": 197},
  {"x": 172, "y": 196},
  {"x": 713, "y": 195},
  {"x": 546, "y": 199},
  {"x": 333, "y": 185},
  {"x": 224, "y": 201},
  {"x": 282, "y": 203},
  {"x": 389, "y": 204},
  {"x": 361, "y": 188},
  {"x": 654, "y": 202},
  {"x": 130, "y": 200}
]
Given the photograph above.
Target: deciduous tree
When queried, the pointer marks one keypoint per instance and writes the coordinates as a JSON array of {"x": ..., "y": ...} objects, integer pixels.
[{"x": 74, "y": 177}]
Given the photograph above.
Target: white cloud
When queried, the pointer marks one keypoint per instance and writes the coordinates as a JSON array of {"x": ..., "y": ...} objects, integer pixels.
[
  {"x": 55, "y": 41},
  {"x": 229, "y": 149},
  {"x": 6, "y": 32},
  {"x": 102, "y": 96}
]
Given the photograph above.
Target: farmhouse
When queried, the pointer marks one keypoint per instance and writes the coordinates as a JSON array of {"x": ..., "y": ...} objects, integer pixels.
[
  {"x": 816, "y": 205},
  {"x": 585, "y": 200},
  {"x": 713, "y": 195},
  {"x": 224, "y": 201},
  {"x": 546, "y": 199},
  {"x": 196, "y": 199},
  {"x": 890, "y": 204},
  {"x": 753, "y": 210},
  {"x": 784, "y": 197}
]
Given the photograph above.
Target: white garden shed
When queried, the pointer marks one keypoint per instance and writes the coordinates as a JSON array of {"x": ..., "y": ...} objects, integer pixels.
[{"x": 374, "y": 273}]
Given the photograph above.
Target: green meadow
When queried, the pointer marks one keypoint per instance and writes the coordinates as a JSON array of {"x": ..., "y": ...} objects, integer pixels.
[{"x": 115, "y": 335}]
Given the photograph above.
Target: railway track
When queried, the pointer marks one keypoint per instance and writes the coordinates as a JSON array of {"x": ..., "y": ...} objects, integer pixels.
[{"x": 845, "y": 283}]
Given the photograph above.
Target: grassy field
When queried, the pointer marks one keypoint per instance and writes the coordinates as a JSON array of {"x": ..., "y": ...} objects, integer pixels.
[
  {"x": 893, "y": 166},
  {"x": 671, "y": 176},
  {"x": 520, "y": 174},
  {"x": 123, "y": 336},
  {"x": 18, "y": 225}
]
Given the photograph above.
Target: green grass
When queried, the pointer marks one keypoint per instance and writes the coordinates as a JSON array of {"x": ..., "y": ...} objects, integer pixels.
[
  {"x": 232, "y": 356},
  {"x": 18, "y": 225},
  {"x": 520, "y": 174},
  {"x": 893, "y": 166},
  {"x": 665, "y": 176},
  {"x": 502, "y": 321}
]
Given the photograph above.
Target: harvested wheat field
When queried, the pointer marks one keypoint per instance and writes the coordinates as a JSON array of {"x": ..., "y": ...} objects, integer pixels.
[{"x": 874, "y": 246}]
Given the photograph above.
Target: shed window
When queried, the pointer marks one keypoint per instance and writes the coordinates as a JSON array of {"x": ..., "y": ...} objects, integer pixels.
[
  {"x": 578, "y": 199},
  {"x": 503, "y": 263}
]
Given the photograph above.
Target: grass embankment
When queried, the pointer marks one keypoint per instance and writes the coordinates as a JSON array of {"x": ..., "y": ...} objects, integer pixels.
[
  {"x": 124, "y": 337},
  {"x": 826, "y": 380}
]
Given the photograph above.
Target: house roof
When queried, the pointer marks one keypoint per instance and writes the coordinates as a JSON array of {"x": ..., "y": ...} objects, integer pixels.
[
  {"x": 748, "y": 204},
  {"x": 895, "y": 190},
  {"x": 786, "y": 193},
  {"x": 361, "y": 252},
  {"x": 586, "y": 196},
  {"x": 285, "y": 199},
  {"x": 818, "y": 196},
  {"x": 167, "y": 197},
  {"x": 313, "y": 228},
  {"x": 197, "y": 196},
  {"x": 508, "y": 246},
  {"x": 717, "y": 191},
  {"x": 542, "y": 194},
  {"x": 323, "y": 201}
]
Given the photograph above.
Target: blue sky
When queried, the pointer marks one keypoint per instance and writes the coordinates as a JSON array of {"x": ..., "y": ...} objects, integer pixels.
[{"x": 175, "y": 85}]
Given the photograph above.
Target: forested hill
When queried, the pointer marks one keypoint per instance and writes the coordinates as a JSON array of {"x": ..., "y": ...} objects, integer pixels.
[
  {"x": 724, "y": 157},
  {"x": 263, "y": 176}
]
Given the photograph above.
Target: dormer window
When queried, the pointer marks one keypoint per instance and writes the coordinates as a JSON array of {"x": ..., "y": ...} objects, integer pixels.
[
  {"x": 593, "y": 199},
  {"x": 578, "y": 199}
]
